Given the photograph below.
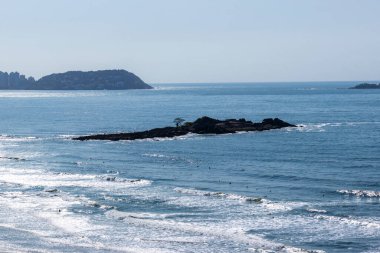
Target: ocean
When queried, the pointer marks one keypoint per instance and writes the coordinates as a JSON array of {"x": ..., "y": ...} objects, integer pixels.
[{"x": 313, "y": 188}]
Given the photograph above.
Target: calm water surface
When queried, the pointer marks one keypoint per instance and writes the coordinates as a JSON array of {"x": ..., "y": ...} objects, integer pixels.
[{"x": 314, "y": 188}]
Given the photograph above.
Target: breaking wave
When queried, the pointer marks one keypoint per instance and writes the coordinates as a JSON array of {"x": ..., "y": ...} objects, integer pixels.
[
  {"x": 361, "y": 193},
  {"x": 267, "y": 204},
  {"x": 255, "y": 243}
]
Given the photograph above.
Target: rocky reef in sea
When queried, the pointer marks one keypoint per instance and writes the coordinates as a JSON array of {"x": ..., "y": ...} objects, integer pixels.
[
  {"x": 74, "y": 80},
  {"x": 203, "y": 125}
]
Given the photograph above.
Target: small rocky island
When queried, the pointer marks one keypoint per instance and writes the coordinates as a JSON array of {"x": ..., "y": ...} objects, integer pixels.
[
  {"x": 204, "y": 125},
  {"x": 74, "y": 80},
  {"x": 367, "y": 86}
]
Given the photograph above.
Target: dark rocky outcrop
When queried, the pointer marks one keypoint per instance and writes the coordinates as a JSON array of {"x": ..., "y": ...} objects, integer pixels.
[
  {"x": 366, "y": 86},
  {"x": 75, "y": 80},
  {"x": 204, "y": 125}
]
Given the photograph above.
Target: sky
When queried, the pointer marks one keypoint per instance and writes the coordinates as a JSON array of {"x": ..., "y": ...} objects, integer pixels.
[{"x": 173, "y": 41}]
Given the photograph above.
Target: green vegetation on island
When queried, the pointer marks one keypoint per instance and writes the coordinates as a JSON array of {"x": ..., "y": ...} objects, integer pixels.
[{"x": 74, "y": 80}]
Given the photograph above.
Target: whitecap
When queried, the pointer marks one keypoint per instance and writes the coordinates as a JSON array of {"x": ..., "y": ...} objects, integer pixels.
[
  {"x": 320, "y": 127},
  {"x": 323, "y": 126},
  {"x": 139, "y": 215},
  {"x": 218, "y": 195},
  {"x": 221, "y": 231},
  {"x": 361, "y": 193},
  {"x": 312, "y": 210},
  {"x": 181, "y": 137},
  {"x": 16, "y": 138},
  {"x": 362, "y": 222},
  {"x": 267, "y": 204},
  {"x": 52, "y": 209},
  {"x": 35, "y": 178},
  {"x": 154, "y": 155}
]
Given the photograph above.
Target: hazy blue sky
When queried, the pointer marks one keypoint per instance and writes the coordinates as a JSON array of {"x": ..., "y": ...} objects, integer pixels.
[{"x": 195, "y": 40}]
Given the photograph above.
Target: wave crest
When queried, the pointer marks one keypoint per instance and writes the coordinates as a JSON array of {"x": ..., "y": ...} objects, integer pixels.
[{"x": 361, "y": 193}]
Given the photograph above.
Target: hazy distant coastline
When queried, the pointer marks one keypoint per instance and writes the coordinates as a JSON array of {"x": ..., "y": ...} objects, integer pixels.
[{"x": 74, "y": 80}]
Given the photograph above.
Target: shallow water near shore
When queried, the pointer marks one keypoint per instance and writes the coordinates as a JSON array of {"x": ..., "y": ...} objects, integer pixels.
[{"x": 314, "y": 188}]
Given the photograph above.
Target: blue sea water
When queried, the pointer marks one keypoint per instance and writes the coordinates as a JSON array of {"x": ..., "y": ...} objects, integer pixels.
[{"x": 314, "y": 188}]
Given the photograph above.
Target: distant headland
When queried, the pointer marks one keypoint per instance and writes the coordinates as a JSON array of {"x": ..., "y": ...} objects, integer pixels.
[
  {"x": 74, "y": 80},
  {"x": 204, "y": 125},
  {"x": 366, "y": 86}
]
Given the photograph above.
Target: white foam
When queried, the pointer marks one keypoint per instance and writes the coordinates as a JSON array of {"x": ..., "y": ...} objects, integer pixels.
[
  {"x": 361, "y": 193},
  {"x": 67, "y": 136},
  {"x": 35, "y": 177},
  {"x": 169, "y": 157},
  {"x": 52, "y": 209},
  {"x": 355, "y": 123},
  {"x": 312, "y": 210},
  {"x": 155, "y": 155},
  {"x": 140, "y": 215},
  {"x": 322, "y": 127},
  {"x": 15, "y": 138},
  {"x": 267, "y": 204},
  {"x": 181, "y": 137},
  {"x": 276, "y": 206},
  {"x": 215, "y": 194},
  {"x": 310, "y": 127},
  {"x": 362, "y": 222},
  {"x": 210, "y": 230}
]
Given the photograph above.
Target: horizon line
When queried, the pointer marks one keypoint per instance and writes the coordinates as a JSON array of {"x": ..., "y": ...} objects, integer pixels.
[
  {"x": 262, "y": 82},
  {"x": 197, "y": 82}
]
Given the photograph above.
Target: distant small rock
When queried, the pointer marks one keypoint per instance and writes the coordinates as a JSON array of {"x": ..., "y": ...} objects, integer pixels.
[
  {"x": 51, "y": 190},
  {"x": 367, "y": 86},
  {"x": 255, "y": 200},
  {"x": 111, "y": 179}
]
